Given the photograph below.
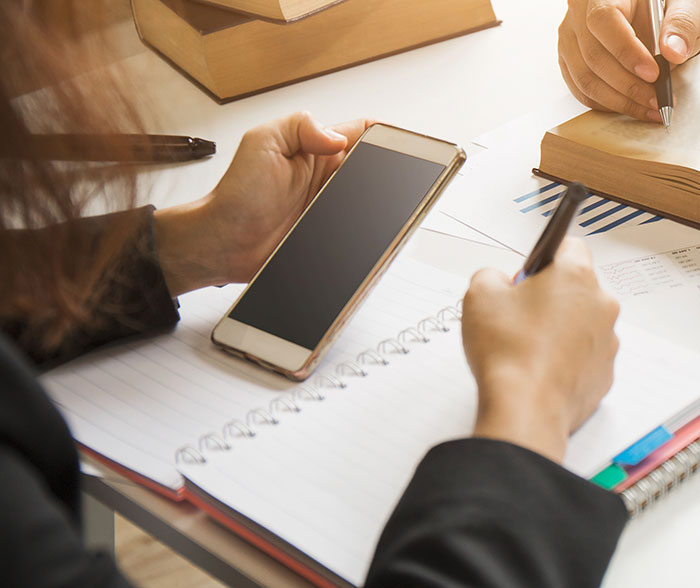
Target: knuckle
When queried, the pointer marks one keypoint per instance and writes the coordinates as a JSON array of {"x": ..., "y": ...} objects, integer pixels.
[
  {"x": 250, "y": 135},
  {"x": 634, "y": 110},
  {"x": 598, "y": 13},
  {"x": 589, "y": 84},
  {"x": 637, "y": 92},
  {"x": 477, "y": 283},
  {"x": 593, "y": 54},
  {"x": 624, "y": 54},
  {"x": 683, "y": 22}
]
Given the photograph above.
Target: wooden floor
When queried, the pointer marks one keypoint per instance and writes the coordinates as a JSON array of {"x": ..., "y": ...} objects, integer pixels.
[{"x": 150, "y": 564}]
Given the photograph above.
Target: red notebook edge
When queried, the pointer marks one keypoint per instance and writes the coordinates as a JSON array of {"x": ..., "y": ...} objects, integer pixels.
[
  {"x": 182, "y": 495},
  {"x": 176, "y": 495},
  {"x": 264, "y": 545}
]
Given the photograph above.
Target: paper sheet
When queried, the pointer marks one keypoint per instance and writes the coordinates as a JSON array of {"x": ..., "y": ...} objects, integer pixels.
[{"x": 501, "y": 197}]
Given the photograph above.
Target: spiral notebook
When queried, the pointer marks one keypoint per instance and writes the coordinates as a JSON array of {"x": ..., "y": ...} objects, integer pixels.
[{"x": 310, "y": 472}]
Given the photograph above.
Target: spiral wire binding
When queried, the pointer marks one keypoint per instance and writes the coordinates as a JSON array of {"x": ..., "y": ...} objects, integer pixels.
[
  {"x": 411, "y": 333},
  {"x": 385, "y": 347},
  {"x": 330, "y": 380},
  {"x": 310, "y": 393},
  {"x": 284, "y": 404},
  {"x": 371, "y": 356},
  {"x": 662, "y": 480},
  {"x": 434, "y": 322},
  {"x": 290, "y": 402},
  {"x": 237, "y": 429},
  {"x": 189, "y": 454},
  {"x": 350, "y": 367},
  {"x": 212, "y": 442},
  {"x": 259, "y": 416}
]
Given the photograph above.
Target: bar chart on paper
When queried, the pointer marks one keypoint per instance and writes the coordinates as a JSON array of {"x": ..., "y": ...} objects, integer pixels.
[{"x": 597, "y": 215}]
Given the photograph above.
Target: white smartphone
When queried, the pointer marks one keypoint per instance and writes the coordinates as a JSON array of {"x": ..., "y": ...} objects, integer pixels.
[{"x": 299, "y": 300}]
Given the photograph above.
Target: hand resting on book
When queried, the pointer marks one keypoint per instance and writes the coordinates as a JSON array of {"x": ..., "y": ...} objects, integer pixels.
[{"x": 604, "y": 56}]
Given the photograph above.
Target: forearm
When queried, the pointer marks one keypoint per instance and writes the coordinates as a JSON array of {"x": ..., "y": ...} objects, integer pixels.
[
  {"x": 489, "y": 514},
  {"x": 188, "y": 247},
  {"x": 513, "y": 408}
]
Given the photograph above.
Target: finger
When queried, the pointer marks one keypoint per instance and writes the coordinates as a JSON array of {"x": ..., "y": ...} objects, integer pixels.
[
  {"x": 600, "y": 92},
  {"x": 680, "y": 30},
  {"x": 609, "y": 22},
  {"x": 607, "y": 67},
  {"x": 580, "y": 96}
]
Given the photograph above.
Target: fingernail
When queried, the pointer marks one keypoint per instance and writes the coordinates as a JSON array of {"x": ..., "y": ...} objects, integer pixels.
[
  {"x": 678, "y": 45},
  {"x": 333, "y": 134},
  {"x": 654, "y": 103},
  {"x": 646, "y": 72}
]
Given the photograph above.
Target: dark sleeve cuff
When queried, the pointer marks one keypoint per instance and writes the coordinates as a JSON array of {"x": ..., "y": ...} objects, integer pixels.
[
  {"x": 137, "y": 301},
  {"x": 486, "y": 513}
]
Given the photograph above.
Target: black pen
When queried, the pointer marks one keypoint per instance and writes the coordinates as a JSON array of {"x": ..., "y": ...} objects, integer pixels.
[
  {"x": 546, "y": 247},
  {"x": 118, "y": 147},
  {"x": 664, "y": 92}
]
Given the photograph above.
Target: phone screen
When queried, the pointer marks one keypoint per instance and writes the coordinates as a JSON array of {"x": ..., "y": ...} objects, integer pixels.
[{"x": 316, "y": 271}]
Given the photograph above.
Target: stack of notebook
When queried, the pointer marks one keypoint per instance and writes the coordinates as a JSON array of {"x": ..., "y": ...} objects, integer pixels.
[{"x": 234, "y": 48}]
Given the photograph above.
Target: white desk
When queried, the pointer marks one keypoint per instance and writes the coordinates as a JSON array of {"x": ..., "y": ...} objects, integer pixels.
[{"x": 454, "y": 90}]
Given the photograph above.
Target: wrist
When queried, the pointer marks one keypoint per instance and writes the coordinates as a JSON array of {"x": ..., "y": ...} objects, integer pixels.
[
  {"x": 514, "y": 408},
  {"x": 186, "y": 248}
]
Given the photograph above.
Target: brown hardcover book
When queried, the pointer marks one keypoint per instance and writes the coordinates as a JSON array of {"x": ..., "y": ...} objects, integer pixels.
[
  {"x": 233, "y": 55},
  {"x": 638, "y": 163},
  {"x": 279, "y": 10}
]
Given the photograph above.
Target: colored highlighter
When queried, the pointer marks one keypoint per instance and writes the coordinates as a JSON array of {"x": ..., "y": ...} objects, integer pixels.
[{"x": 546, "y": 247}]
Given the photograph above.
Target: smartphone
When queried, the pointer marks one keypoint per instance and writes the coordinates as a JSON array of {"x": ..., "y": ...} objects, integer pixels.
[{"x": 302, "y": 296}]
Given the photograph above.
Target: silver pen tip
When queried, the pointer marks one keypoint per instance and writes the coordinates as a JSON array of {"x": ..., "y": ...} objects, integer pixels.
[{"x": 666, "y": 112}]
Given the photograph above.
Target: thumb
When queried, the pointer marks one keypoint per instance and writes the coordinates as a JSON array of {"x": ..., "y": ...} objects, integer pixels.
[
  {"x": 316, "y": 139},
  {"x": 680, "y": 30},
  {"x": 301, "y": 132}
]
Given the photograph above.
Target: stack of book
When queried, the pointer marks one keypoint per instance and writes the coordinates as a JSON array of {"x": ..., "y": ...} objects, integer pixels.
[{"x": 235, "y": 48}]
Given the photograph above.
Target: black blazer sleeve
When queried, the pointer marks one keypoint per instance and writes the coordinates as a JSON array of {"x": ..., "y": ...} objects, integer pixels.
[
  {"x": 40, "y": 542},
  {"x": 138, "y": 302},
  {"x": 484, "y": 513}
]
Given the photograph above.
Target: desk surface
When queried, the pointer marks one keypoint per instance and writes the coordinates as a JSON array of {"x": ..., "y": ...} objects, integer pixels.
[{"x": 455, "y": 90}]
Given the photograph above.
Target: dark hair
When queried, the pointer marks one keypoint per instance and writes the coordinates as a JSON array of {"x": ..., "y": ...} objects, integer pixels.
[{"x": 51, "y": 271}]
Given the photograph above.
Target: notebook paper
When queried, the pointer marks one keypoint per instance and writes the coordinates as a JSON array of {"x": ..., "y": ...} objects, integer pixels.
[{"x": 137, "y": 404}]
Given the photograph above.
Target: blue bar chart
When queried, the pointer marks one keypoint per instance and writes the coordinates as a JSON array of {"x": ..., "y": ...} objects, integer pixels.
[{"x": 597, "y": 215}]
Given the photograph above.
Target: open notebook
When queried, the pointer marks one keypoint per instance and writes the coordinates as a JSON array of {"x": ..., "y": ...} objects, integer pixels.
[{"x": 310, "y": 472}]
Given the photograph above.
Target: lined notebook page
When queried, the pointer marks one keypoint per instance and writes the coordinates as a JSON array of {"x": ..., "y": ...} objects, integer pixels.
[
  {"x": 137, "y": 404},
  {"x": 326, "y": 478}
]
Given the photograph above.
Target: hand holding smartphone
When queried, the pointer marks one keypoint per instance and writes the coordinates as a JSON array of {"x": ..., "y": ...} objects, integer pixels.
[{"x": 299, "y": 300}]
